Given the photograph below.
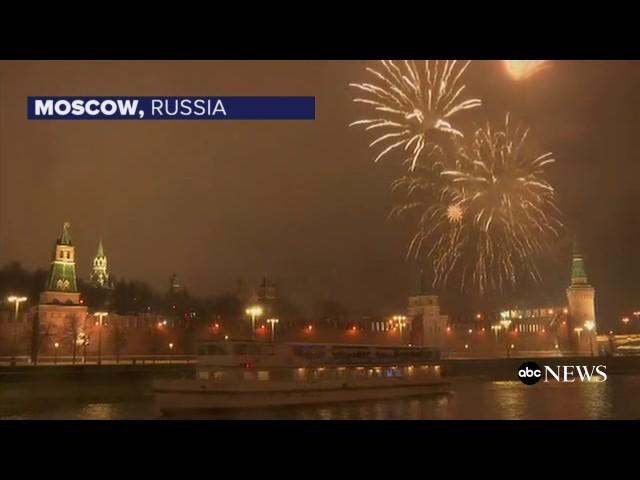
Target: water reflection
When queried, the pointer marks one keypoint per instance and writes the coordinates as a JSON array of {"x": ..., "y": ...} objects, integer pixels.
[
  {"x": 479, "y": 400},
  {"x": 596, "y": 402},
  {"x": 103, "y": 411},
  {"x": 512, "y": 398}
]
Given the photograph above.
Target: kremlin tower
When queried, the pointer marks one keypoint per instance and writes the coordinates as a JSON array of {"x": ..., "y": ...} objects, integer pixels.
[
  {"x": 62, "y": 286},
  {"x": 60, "y": 302},
  {"x": 582, "y": 313},
  {"x": 100, "y": 273}
]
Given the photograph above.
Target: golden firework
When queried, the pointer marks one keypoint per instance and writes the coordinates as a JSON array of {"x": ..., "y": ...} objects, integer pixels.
[
  {"x": 411, "y": 102},
  {"x": 524, "y": 69}
]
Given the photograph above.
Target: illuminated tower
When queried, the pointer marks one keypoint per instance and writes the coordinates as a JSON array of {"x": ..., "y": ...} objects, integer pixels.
[
  {"x": 174, "y": 285},
  {"x": 267, "y": 290},
  {"x": 427, "y": 324},
  {"x": 62, "y": 286},
  {"x": 581, "y": 298},
  {"x": 100, "y": 274}
]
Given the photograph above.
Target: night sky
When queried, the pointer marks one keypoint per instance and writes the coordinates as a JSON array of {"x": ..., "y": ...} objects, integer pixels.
[{"x": 302, "y": 201}]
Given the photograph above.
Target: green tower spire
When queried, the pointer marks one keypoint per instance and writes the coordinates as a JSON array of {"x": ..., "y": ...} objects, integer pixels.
[
  {"x": 62, "y": 276},
  {"x": 100, "y": 273},
  {"x": 578, "y": 272}
]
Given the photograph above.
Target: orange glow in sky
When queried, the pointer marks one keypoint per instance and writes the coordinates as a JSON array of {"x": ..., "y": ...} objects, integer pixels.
[{"x": 523, "y": 69}]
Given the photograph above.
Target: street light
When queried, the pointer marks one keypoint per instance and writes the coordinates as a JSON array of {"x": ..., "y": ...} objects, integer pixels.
[
  {"x": 156, "y": 329},
  {"x": 401, "y": 321},
  {"x": 273, "y": 322},
  {"x": 625, "y": 320},
  {"x": 17, "y": 301},
  {"x": 99, "y": 323},
  {"x": 254, "y": 312},
  {"x": 505, "y": 324},
  {"x": 496, "y": 329},
  {"x": 170, "y": 345},
  {"x": 55, "y": 353},
  {"x": 578, "y": 330},
  {"x": 590, "y": 325}
]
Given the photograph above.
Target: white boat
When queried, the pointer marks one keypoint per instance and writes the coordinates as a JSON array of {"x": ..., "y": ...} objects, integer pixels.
[{"x": 245, "y": 374}]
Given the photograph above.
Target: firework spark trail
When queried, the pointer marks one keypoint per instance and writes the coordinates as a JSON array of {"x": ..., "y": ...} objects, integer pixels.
[
  {"x": 488, "y": 219},
  {"x": 410, "y": 103},
  {"x": 486, "y": 211}
]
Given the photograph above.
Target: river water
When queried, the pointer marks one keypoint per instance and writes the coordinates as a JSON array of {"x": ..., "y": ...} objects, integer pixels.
[{"x": 617, "y": 398}]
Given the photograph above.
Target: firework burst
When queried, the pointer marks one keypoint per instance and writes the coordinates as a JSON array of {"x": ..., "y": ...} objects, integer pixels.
[
  {"x": 488, "y": 219},
  {"x": 523, "y": 69},
  {"x": 412, "y": 102}
]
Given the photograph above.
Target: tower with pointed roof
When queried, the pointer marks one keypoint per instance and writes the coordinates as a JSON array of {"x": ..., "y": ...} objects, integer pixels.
[
  {"x": 581, "y": 299},
  {"x": 100, "y": 273},
  {"x": 267, "y": 290},
  {"x": 427, "y": 324},
  {"x": 60, "y": 305},
  {"x": 62, "y": 284}
]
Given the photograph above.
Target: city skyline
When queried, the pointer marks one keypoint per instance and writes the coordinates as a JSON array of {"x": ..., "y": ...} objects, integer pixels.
[{"x": 213, "y": 203}]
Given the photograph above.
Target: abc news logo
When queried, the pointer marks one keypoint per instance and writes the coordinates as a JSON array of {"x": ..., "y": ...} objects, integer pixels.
[{"x": 530, "y": 373}]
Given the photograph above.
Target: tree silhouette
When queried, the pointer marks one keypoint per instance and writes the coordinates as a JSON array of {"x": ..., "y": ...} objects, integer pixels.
[
  {"x": 119, "y": 340},
  {"x": 38, "y": 336},
  {"x": 73, "y": 334}
]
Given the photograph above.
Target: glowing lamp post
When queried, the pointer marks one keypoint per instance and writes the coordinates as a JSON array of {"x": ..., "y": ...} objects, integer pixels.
[
  {"x": 625, "y": 321},
  {"x": 156, "y": 331},
  {"x": 99, "y": 324},
  {"x": 496, "y": 329},
  {"x": 254, "y": 312},
  {"x": 55, "y": 353},
  {"x": 578, "y": 331},
  {"x": 590, "y": 325},
  {"x": 17, "y": 301},
  {"x": 273, "y": 322},
  {"x": 505, "y": 324}
]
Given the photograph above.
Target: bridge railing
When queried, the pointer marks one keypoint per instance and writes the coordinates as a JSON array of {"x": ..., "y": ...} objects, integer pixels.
[{"x": 104, "y": 360}]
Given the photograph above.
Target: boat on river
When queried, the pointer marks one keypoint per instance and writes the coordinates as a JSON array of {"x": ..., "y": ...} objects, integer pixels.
[{"x": 250, "y": 374}]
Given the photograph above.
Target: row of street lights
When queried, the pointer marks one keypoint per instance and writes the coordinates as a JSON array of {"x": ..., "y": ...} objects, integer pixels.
[
  {"x": 255, "y": 311},
  {"x": 100, "y": 323}
]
